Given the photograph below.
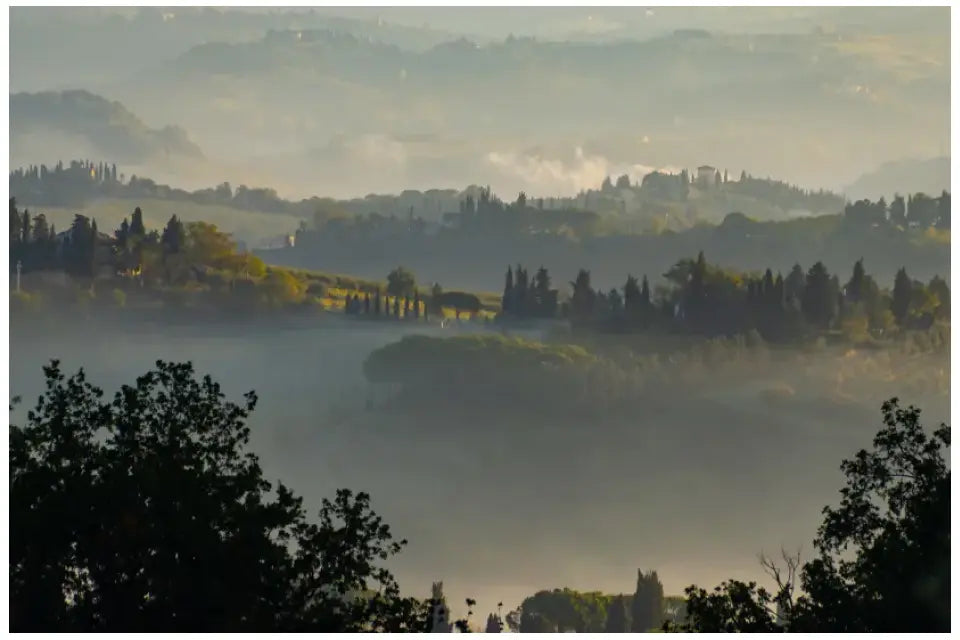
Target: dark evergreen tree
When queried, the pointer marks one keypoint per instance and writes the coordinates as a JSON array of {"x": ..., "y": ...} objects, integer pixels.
[
  {"x": 631, "y": 297},
  {"x": 778, "y": 291},
  {"x": 520, "y": 292},
  {"x": 854, "y": 288},
  {"x": 16, "y": 230},
  {"x": 902, "y": 293},
  {"x": 25, "y": 228},
  {"x": 647, "y": 609},
  {"x": 767, "y": 292},
  {"x": 506, "y": 302},
  {"x": 695, "y": 302},
  {"x": 544, "y": 298},
  {"x": 174, "y": 236},
  {"x": 617, "y": 616},
  {"x": 818, "y": 302},
  {"x": 794, "y": 285},
  {"x": 583, "y": 299},
  {"x": 137, "y": 229}
]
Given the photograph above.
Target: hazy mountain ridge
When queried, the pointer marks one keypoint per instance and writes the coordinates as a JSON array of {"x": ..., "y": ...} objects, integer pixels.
[
  {"x": 930, "y": 176},
  {"x": 676, "y": 100},
  {"x": 107, "y": 127},
  {"x": 444, "y": 105}
]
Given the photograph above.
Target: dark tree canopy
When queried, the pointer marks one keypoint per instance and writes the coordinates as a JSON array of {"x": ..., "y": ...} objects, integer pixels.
[
  {"x": 883, "y": 554},
  {"x": 401, "y": 282},
  {"x": 148, "y": 513}
]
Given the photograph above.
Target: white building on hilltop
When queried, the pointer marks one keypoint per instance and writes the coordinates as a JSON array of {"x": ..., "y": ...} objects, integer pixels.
[{"x": 706, "y": 176}]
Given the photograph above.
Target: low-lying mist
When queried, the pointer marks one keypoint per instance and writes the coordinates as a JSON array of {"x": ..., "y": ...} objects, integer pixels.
[{"x": 497, "y": 501}]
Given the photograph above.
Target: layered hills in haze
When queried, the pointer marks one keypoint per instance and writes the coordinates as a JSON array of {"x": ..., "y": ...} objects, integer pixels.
[{"x": 795, "y": 94}]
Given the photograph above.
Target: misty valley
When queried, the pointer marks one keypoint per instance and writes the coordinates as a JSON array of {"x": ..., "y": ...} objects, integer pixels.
[{"x": 637, "y": 399}]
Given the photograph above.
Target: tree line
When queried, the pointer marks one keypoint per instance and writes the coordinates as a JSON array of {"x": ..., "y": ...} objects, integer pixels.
[
  {"x": 35, "y": 243},
  {"x": 918, "y": 211},
  {"x": 708, "y": 300},
  {"x": 170, "y": 256},
  {"x": 676, "y": 187},
  {"x": 401, "y": 299},
  {"x": 566, "y": 610}
]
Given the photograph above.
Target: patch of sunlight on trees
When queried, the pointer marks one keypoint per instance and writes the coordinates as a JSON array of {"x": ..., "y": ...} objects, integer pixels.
[{"x": 934, "y": 236}]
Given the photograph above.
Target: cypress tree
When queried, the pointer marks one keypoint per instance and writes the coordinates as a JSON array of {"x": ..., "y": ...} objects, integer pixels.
[
  {"x": 617, "y": 616},
  {"x": 902, "y": 292},
  {"x": 647, "y": 603},
  {"x": 506, "y": 302},
  {"x": 136, "y": 224},
  {"x": 25, "y": 227}
]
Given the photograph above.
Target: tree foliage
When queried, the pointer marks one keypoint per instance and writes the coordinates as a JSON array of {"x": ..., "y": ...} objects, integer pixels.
[
  {"x": 883, "y": 554},
  {"x": 148, "y": 513}
]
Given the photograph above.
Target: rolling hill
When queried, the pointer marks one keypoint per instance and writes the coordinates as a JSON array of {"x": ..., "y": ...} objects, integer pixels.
[{"x": 101, "y": 128}]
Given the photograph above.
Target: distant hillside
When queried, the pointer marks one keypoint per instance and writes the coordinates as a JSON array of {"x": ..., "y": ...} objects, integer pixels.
[
  {"x": 348, "y": 115},
  {"x": 929, "y": 176},
  {"x": 101, "y": 127}
]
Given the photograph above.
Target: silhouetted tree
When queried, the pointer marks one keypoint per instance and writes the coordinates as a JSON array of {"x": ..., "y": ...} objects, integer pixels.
[
  {"x": 898, "y": 211},
  {"x": 631, "y": 297},
  {"x": 818, "y": 301},
  {"x": 137, "y": 229},
  {"x": 400, "y": 282},
  {"x": 582, "y": 301},
  {"x": 147, "y": 512},
  {"x": 617, "y": 616},
  {"x": 174, "y": 236},
  {"x": 645, "y": 294},
  {"x": 902, "y": 293},
  {"x": 854, "y": 288},
  {"x": 647, "y": 608},
  {"x": 883, "y": 555},
  {"x": 794, "y": 285},
  {"x": 507, "y": 300}
]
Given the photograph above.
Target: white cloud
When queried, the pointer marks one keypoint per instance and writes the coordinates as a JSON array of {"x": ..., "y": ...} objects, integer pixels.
[{"x": 540, "y": 174}]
